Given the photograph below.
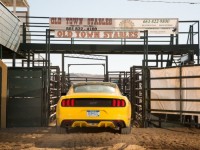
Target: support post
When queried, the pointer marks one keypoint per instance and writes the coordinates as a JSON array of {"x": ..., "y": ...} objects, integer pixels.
[
  {"x": 181, "y": 94},
  {"x": 28, "y": 61},
  {"x": 24, "y": 33},
  {"x": 144, "y": 78},
  {"x": 3, "y": 94},
  {"x": 68, "y": 77},
  {"x": 14, "y": 60},
  {"x": 47, "y": 74},
  {"x": 161, "y": 59},
  {"x": 63, "y": 74},
  {"x": 107, "y": 78},
  {"x": 1, "y": 51},
  {"x": 146, "y": 47}
]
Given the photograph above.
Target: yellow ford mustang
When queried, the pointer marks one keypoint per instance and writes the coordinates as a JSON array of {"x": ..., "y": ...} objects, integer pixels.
[{"x": 94, "y": 104}]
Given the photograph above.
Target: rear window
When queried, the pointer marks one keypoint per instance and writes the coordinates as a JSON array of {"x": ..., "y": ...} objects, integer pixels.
[{"x": 94, "y": 89}]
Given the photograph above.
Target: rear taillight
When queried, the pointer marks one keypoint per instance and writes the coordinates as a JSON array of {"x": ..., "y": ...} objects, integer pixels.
[
  {"x": 118, "y": 103},
  {"x": 67, "y": 103}
]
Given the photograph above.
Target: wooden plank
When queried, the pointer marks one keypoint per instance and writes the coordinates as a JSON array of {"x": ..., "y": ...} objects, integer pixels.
[{"x": 3, "y": 94}]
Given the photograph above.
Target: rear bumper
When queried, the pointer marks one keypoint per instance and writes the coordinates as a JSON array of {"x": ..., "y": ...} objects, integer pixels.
[
  {"x": 70, "y": 116},
  {"x": 93, "y": 123}
]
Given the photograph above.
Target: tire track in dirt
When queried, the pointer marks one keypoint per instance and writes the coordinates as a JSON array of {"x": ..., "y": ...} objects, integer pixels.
[{"x": 100, "y": 139}]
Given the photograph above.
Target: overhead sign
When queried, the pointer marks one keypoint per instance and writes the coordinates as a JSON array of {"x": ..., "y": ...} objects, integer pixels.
[
  {"x": 97, "y": 34},
  {"x": 153, "y": 25}
]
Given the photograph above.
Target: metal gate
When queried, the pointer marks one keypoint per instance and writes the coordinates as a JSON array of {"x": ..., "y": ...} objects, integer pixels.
[
  {"x": 165, "y": 96},
  {"x": 137, "y": 96},
  {"x": 174, "y": 96},
  {"x": 27, "y": 105},
  {"x": 0, "y": 92}
]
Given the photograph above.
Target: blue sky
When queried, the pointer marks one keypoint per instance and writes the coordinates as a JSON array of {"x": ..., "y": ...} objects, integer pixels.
[{"x": 111, "y": 9}]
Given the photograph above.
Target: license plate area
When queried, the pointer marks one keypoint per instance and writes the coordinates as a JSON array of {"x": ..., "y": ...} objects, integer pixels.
[{"x": 93, "y": 113}]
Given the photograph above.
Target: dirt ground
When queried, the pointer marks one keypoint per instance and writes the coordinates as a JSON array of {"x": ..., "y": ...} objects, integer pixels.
[{"x": 100, "y": 139}]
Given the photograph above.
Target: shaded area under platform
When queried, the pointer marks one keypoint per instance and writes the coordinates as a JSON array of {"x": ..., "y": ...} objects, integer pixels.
[{"x": 8, "y": 54}]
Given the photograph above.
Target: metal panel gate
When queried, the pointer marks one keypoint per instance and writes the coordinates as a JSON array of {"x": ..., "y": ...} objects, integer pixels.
[
  {"x": 174, "y": 95},
  {"x": 26, "y": 106},
  {"x": 0, "y": 92},
  {"x": 165, "y": 96}
]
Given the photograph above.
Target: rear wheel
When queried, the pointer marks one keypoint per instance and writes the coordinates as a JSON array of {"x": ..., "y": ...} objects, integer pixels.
[
  {"x": 67, "y": 129},
  {"x": 60, "y": 130},
  {"x": 126, "y": 130}
]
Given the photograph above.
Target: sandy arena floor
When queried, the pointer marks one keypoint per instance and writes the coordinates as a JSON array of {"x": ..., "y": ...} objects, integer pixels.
[{"x": 101, "y": 139}]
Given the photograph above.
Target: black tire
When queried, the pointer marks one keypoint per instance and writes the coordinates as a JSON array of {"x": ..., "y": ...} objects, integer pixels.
[
  {"x": 126, "y": 130},
  {"x": 60, "y": 130},
  {"x": 67, "y": 129}
]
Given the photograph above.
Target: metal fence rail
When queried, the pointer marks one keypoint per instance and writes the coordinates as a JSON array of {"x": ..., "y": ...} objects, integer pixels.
[
  {"x": 137, "y": 96},
  {"x": 178, "y": 106},
  {"x": 55, "y": 91}
]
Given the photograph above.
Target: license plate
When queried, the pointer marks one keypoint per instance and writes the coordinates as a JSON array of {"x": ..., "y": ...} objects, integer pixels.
[{"x": 93, "y": 113}]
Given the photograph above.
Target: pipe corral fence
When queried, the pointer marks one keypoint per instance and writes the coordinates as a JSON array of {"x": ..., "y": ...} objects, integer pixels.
[{"x": 35, "y": 87}]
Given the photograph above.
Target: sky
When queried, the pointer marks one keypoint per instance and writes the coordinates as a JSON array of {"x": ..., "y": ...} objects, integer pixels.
[{"x": 112, "y": 9}]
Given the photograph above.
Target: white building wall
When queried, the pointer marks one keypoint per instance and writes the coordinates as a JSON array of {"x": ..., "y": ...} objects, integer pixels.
[{"x": 9, "y": 29}]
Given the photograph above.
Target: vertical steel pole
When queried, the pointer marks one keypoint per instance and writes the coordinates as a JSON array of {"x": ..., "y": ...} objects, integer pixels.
[
  {"x": 68, "y": 77},
  {"x": 14, "y": 60},
  {"x": 181, "y": 97},
  {"x": 147, "y": 50},
  {"x": 132, "y": 98},
  {"x": 161, "y": 59},
  {"x": 46, "y": 51},
  {"x": 143, "y": 94},
  {"x": 104, "y": 72},
  {"x": 45, "y": 101},
  {"x": 47, "y": 63},
  {"x": 49, "y": 75},
  {"x": 191, "y": 34},
  {"x": 144, "y": 78},
  {"x": 146, "y": 47},
  {"x": 28, "y": 61},
  {"x": 107, "y": 69},
  {"x": 144, "y": 64},
  {"x": 24, "y": 42},
  {"x": 63, "y": 74},
  {"x": 177, "y": 39},
  {"x": 24, "y": 33},
  {"x": 144, "y": 56},
  {"x": 1, "y": 51},
  {"x": 33, "y": 58},
  {"x": 156, "y": 60},
  {"x": 124, "y": 88}
]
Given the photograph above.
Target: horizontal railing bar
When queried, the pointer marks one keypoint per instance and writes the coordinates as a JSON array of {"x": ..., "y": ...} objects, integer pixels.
[
  {"x": 178, "y": 88},
  {"x": 188, "y": 100},
  {"x": 176, "y": 111}
]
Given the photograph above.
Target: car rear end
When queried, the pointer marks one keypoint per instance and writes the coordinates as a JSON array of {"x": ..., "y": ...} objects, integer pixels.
[{"x": 94, "y": 110}]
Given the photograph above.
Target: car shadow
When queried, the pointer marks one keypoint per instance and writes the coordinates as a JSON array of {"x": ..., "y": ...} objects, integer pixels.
[{"x": 91, "y": 130}]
